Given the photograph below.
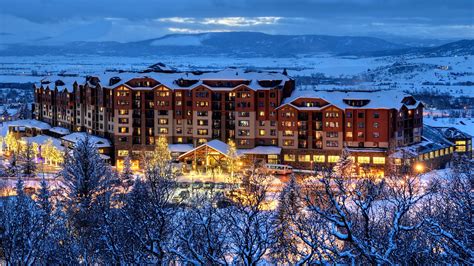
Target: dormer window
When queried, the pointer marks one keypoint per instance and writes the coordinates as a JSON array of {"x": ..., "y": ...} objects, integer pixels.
[{"x": 356, "y": 102}]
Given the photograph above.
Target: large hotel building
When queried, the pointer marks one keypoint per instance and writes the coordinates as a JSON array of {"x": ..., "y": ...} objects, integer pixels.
[{"x": 261, "y": 111}]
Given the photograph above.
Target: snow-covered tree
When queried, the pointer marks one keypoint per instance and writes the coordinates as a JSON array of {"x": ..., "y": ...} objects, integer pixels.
[
  {"x": 368, "y": 218},
  {"x": 247, "y": 219},
  {"x": 20, "y": 229},
  {"x": 13, "y": 168},
  {"x": 345, "y": 166},
  {"x": 85, "y": 178},
  {"x": 126, "y": 176},
  {"x": 28, "y": 165},
  {"x": 450, "y": 214},
  {"x": 149, "y": 210},
  {"x": 201, "y": 237},
  {"x": 285, "y": 248},
  {"x": 232, "y": 159}
]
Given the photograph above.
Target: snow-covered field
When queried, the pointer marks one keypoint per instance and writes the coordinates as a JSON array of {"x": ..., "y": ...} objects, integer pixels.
[{"x": 453, "y": 76}]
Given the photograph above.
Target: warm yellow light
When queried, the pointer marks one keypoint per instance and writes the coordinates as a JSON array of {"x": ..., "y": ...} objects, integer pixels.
[{"x": 419, "y": 167}]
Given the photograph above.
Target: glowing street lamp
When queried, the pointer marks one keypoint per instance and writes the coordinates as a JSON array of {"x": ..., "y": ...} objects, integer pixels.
[{"x": 419, "y": 167}]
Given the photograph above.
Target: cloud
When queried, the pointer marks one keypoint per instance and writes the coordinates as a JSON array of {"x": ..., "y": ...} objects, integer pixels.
[
  {"x": 134, "y": 20},
  {"x": 241, "y": 21}
]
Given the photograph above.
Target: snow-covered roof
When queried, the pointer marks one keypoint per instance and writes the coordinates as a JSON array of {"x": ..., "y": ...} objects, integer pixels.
[
  {"x": 453, "y": 133},
  {"x": 432, "y": 140},
  {"x": 60, "y": 82},
  {"x": 466, "y": 125},
  {"x": 169, "y": 79},
  {"x": 180, "y": 148},
  {"x": 79, "y": 136},
  {"x": 214, "y": 144},
  {"x": 60, "y": 130},
  {"x": 30, "y": 123},
  {"x": 42, "y": 139},
  {"x": 376, "y": 99},
  {"x": 261, "y": 150}
]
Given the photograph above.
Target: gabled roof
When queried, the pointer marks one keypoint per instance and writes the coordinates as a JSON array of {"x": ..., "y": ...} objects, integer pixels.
[
  {"x": 214, "y": 144},
  {"x": 80, "y": 136},
  {"x": 376, "y": 99}
]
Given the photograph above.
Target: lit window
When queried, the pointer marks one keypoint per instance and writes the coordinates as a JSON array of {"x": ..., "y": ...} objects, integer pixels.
[
  {"x": 348, "y": 134},
  {"x": 262, "y": 132},
  {"x": 378, "y": 160},
  {"x": 122, "y": 153},
  {"x": 363, "y": 159},
  {"x": 304, "y": 158},
  {"x": 289, "y": 157},
  {"x": 319, "y": 158},
  {"x": 261, "y": 113},
  {"x": 333, "y": 158},
  {"x": 123, "y": 129}
]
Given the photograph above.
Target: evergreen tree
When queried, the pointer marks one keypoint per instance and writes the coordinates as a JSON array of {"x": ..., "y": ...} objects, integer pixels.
[
  {"x": 232, "y": 159},
  {"x": 285, "y": 249},
  {"x": 345, "y": 166},
  {"x": 127, "y": 174},
  {"x": 13, "y": 168},
  {"x": 85, "y": 177},
  {"x": 28, "y": 166}
]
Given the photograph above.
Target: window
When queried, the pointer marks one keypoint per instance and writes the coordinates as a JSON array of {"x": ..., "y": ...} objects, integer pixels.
[
  {"x": 363, "y": 159},
  {"x": 289, "y": 157},
  {"x": 179, "y": 103},
  {"x": 361, "y": 124},
  {"x": 272, "y": 95},
  {"x": 319, "y": 158},
  {"x": 379, "y": 160},
  {"x": 123, "y": 120},
  {"x": 244, "y": 132},
  {"x": 122, "y": 153},
  {"x": 261, "y": 132},
  {"x": 201, "y": 141},
  {"x": 179, "y": 130},
  {"x": 376, "y": 135},
  {"x": 349, "y": 114},
  {"x": 178, "y": 94},
  {"x": 332, "y": 114},
  {"x": 288, "y": 142},
  {"x": 261, "y": 123},
  {"x": 201, "y": 122},
  {"x": 360, "y": 115},
  {"x": 332, "y": 134},
  {"x": 332, "y": 124},
  {"x": 179, "y": 140},
  {"x": 163, "y": 130},
  {"x": 244, "y": 142},
  {"x": 331, "y": 143},
  {"x": 376, "y": 125},
  {"x": 333, "y": 158},
  {"x": 376, "y": 115},
  {"x": 202, "y": 132},
  {"x": 287, "y": 133},
  {"x": 349, "y": 124},
  {"x": 163, "y": 121},
  {"x": 261, "y": 113},
  {"x": 272, "y": 132},
  {"x": 202, "y": 113},
  {"x": 123, "y": 129},
  {"x": 360, "y": 134},
  {"x": 244, "y": 123},
  {"x": 348, "y": 134},
  {"x": 304, "y": 158},
  {"x": 123, "y": 112}
]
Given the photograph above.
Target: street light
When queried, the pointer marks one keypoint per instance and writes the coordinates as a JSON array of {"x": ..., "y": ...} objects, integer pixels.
[{"x": 419, "y": 167}]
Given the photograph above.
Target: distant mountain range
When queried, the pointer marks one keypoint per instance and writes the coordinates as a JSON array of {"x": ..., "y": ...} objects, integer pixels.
[{"x": 239, "y": 44}]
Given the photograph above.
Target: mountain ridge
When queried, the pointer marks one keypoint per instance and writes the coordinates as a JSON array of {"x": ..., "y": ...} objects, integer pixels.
[{"x": 239, "y": 44}]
